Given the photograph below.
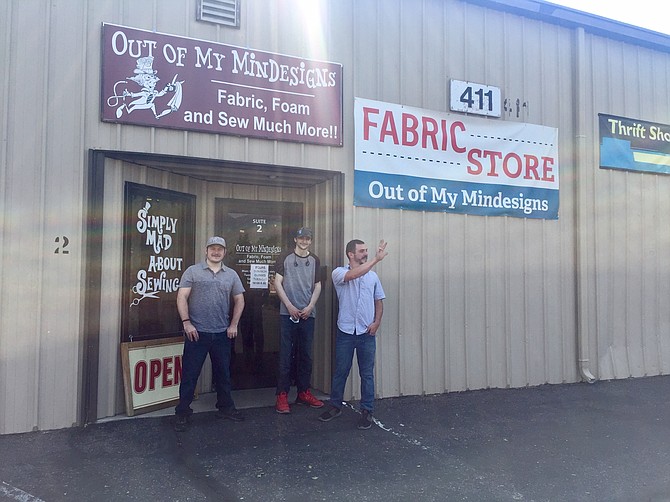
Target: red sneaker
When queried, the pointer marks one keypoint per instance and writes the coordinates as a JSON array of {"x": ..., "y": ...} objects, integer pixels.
[
  {"x": 282, "y": 403},
  {"x": 308, "y": 399}
]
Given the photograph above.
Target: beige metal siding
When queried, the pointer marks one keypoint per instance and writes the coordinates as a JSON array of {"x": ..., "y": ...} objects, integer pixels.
[
  {"x": 42, "y": 203},
  {"x": 472, "y": 302},
  {"x": 631, "y": 277}
]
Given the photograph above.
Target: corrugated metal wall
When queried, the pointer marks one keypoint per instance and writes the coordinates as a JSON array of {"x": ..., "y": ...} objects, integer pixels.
[
  {"x": 472, "y": 302},
  {"x": 42, "y": 151},
  {"x": 626, "y": 224}
]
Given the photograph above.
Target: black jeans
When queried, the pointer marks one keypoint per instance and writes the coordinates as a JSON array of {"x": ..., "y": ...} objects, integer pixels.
[
  {"x": 218, "y": 346},
  {"x": 300, "y": 334}
]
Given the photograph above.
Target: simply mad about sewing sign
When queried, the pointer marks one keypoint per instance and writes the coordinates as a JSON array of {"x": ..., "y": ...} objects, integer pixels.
[{"x": 411, "y": 158}]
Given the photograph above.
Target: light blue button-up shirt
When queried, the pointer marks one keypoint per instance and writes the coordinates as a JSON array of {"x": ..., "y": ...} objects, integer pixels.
[{"x": 356, "y": 300}]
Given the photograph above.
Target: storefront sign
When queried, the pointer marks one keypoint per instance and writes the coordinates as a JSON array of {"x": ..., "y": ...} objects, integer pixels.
[
  {"x": 159, "y": 80},
  {"x": 469, "y": 97},
  {"x": 158, "y": 247},
  {"x": 257, "y": 232},
  {"x": 259, "y": 276},
  {"x": 151, "y": 374},
  {"x": 258, "y": 247},
  {"x": 634, "y": 145},
  {"x": 424, "y": 160}
]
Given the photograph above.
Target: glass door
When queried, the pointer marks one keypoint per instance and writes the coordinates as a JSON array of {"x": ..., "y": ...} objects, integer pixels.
[{"x": 256, "y": 233}]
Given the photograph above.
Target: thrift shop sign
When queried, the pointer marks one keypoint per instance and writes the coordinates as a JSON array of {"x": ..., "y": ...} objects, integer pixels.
[{"x": 634, "y": 145}]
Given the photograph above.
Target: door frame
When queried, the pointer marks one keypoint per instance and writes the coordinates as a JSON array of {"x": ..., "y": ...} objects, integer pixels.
[{"x": 200, "y": 168}]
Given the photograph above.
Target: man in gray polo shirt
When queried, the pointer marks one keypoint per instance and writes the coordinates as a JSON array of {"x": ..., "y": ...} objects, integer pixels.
[{"x": 204, "y": 304}]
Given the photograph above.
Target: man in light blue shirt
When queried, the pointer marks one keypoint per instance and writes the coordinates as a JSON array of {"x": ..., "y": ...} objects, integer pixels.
[{"x": 360, "y": 295}]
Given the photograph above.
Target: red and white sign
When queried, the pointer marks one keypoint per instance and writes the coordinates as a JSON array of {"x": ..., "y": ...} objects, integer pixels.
[
  {"x": 151, "y": 373},
  {"x": 428, "y": 160}
]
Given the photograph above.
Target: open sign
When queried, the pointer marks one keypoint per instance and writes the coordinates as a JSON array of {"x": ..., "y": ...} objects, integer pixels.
[{"x": 151, "y": 373}]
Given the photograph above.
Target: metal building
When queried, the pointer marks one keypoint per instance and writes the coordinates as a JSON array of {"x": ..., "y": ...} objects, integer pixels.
[{"x": 474, "y": 300}]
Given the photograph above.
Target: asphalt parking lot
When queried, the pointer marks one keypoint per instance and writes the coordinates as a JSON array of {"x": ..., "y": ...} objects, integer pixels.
[{"x": 608, "y": 441}]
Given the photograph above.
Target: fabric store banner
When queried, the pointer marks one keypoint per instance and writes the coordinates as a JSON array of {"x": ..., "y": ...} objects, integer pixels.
[
  {"x": 423, "y": 160},
  {"x": 634, "y": 145}
]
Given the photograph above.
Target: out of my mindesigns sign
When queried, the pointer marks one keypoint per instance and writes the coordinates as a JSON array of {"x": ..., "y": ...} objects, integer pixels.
[{"x": 159, "y": 80}]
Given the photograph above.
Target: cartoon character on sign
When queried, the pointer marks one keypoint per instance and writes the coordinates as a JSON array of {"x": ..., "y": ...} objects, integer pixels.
[{"x": 145, "y": 77}]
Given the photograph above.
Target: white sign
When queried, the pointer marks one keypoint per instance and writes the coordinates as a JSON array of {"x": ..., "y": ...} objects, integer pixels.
[
  {"x": 259, "y": 276},
  {"x": 151, "y": 373},
  {"x": 479, "y": 99},
  {"x": 425, "y": 160}
]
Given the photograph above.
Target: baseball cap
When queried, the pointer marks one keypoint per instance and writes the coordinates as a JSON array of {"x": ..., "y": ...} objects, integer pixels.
[
  {"x": 216, "y": 240},
  {"x": 304, "y": 232}
]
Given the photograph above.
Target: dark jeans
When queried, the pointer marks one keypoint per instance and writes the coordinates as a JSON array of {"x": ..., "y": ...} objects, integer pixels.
[
  {"x": 365, "y": 347},
  {"x": 300, "y": 335},
  {"x": 218, "y": 346},
  {"x": 251, "y": 324}
]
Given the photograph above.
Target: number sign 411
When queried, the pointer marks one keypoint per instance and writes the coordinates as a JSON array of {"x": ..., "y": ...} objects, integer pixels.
[{"x": 480, "y": 99}]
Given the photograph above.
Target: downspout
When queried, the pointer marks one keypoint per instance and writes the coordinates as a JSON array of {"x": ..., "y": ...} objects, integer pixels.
[{"x": 582, "y": 310}]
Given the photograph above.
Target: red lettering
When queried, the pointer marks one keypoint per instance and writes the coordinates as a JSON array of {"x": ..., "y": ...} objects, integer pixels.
[
  {"x": 547, "y": 169},
  {"x": 445, "y": 135},
  {"x": 519, "y": 165},
  {"x": 140, "y": 383},
  {"x": 388, "y": 128},
  {"x": 409, "y": 128},
  {"x": 454, "y": 145},
  {"x": 367, "y": 123},
  {"x": 154, "y": 372},
  {"x": 512, "y": 165},
  {"x": 413, "y": 128},
  {"x": 429, "y": 127},
  {"x": 492, "y": 156},
  {"x": 477, "y": 168},
  {"x": 531, "y": 167},
  {"x": 167, "y": 371}
]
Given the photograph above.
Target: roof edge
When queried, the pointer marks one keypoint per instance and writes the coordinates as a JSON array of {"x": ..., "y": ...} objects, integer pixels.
[{"x": 572, "y": 18}]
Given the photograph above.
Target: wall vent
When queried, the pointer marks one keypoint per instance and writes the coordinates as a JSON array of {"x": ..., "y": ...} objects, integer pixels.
[{"x": 226, "y": 12}]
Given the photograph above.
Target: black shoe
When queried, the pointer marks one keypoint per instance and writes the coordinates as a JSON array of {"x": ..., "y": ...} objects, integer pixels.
[
  {"x": 329, "y": 414},
  {"x": 365, "y": 422},
  {"x": 181, "y": 424},
  {"x": 231, "y": 414}
]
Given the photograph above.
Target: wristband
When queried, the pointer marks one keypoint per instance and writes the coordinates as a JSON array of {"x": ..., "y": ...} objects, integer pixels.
[{"x": 184, "y": 320}]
